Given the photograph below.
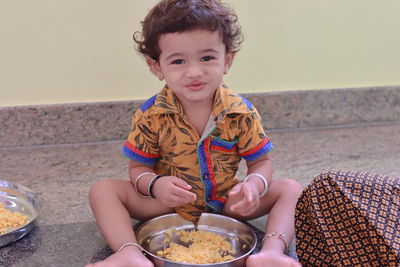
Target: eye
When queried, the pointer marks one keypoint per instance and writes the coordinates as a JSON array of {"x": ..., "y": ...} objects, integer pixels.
[
  {"x": 207, "y": 58},
  {"x": 177, "y": 61}
]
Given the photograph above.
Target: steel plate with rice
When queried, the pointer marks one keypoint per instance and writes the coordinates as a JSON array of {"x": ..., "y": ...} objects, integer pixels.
[
  {"x": 20, "y": 199},
  {"x": 151, "y": 236}
]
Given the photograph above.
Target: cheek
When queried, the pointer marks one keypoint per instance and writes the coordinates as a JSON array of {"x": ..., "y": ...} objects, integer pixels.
[
  {"x": 172, "y": 77},
  {"x": 172, "y": 73},
  {"x": 217, "y": 71}
]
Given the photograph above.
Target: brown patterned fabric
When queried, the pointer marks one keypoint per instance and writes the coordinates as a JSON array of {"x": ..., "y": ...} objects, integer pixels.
[{"x": 349, "y": 219}]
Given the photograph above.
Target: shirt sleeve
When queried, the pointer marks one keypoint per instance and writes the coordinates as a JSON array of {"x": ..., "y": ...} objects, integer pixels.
[
  {"x": 252, "y": 141},
  {"x": 142, "y": 143}
]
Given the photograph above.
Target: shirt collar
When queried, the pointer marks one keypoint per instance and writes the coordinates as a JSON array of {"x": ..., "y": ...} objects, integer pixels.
[
  {"x": 167, "y": 102},
  {"x": 226, "y": 101}
]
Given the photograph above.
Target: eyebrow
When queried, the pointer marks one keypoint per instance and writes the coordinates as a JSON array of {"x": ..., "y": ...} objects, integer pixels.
[
  {"x": 208, "y": 50},
  {"x": 173, "y": 55}
]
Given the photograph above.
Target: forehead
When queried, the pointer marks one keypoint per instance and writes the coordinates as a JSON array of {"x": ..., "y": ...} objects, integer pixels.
[{"x": 190, "y": 41}]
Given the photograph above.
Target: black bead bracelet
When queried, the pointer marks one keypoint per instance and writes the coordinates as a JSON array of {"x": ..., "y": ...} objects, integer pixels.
[{"x": 152, "y": 182}]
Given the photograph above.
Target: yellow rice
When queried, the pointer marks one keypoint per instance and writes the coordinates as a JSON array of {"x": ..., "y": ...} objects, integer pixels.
[
  {"x": 10, "y": 219},
  {"x": 204, "y": 248}
]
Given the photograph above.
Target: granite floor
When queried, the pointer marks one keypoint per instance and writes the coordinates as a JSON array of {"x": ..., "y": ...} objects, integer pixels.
[{"x": 66, "y": 234}]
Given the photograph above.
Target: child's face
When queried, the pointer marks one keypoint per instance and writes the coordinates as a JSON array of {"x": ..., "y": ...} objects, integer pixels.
[{"x": 192, "y": 64}]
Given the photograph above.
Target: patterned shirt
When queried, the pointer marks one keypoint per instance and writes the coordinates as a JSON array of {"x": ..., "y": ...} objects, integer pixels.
[{"x": 163, "y": 138}]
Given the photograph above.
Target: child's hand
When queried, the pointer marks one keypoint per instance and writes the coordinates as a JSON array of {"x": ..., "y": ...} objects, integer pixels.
[
  {"x": 246, "y": 196},
  {"x": 172, "y": 191},
  {"x": 271, "y": 258}
]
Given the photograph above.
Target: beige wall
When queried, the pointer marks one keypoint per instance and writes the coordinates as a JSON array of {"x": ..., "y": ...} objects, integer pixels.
[{"x": 58, "y": 51}]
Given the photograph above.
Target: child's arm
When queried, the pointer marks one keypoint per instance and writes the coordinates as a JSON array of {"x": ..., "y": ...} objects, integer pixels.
[
  {"x": 169, "y": 190},
  {"x": 262, "y": 166}
]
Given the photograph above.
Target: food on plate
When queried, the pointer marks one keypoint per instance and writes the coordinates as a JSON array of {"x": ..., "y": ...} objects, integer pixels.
[
  {"x": 10, "y": 219},
  {"x": 200, "y": 247}
]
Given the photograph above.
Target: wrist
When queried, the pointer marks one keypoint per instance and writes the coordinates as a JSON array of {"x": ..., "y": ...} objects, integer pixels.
[
  {"x": 257, "y": 183},
  {"x": 261, "y": 182},
  {"x": 144, "y": 177},
  {"x": 275, "y": 241},
  {"x": 152, "y": 183}
]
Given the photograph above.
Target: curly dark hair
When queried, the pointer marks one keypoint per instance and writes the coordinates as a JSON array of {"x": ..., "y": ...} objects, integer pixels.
[{"x": 170, "y": 16}]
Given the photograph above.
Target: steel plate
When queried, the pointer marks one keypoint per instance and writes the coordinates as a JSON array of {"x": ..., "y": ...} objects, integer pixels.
[
  {"x": 150, "y": 235},
  {"x": 16, "y": 197}
]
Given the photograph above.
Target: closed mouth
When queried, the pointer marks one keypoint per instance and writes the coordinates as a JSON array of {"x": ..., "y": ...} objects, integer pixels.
[{"x": 195, "y": 85}]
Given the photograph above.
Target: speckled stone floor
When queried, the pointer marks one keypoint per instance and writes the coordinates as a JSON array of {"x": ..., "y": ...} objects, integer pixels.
[
  {"x": 66, "y": 234},
  {"x": 59, "y": 151}
]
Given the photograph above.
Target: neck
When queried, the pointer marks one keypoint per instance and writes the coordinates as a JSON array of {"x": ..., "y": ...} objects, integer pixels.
[
  {"x": 198, "y": 107},
  {"x": 198, "y": 115}
]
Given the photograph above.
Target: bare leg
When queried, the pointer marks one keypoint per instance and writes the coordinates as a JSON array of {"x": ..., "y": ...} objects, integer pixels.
[
  {"x": 114, "y": 203},
  {"x": 280, "y": 203}
]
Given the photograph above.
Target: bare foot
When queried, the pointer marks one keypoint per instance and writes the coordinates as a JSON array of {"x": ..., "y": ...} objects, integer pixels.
[
  {"x": 128, "y": 257},
  {"x": 271, "y": 258}
]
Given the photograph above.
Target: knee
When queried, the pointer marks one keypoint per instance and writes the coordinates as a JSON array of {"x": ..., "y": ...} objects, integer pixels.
[
  {"x": 100, "y": 188},
  {"x": 288, "y": 187}
]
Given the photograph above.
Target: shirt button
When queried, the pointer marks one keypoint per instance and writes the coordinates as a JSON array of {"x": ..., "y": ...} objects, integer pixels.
[{"x": 205, "y": 176}]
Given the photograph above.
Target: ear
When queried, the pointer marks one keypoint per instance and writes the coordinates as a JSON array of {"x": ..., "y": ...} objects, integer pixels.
[
  {"x": 154, "y": 67},
  {"x": 228, "y": 61}
]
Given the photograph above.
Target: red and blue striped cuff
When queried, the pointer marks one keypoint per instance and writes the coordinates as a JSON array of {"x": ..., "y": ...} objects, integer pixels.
[
  {"x": 262, "y": 148},
  {"x": 133, "y": 153}
]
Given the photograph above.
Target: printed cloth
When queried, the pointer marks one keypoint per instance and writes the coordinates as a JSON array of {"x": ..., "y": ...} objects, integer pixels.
[
  {"x": 349, "y": 219},
  {"x": 163, "y": 137}
]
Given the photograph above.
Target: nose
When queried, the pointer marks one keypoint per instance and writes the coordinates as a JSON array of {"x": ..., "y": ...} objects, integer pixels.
[{"x": 194, "y": 70}]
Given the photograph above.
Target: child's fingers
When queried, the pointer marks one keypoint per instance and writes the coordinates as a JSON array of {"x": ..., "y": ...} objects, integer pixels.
[
  {"x": 185, "y": 194},
  {"x": 247, "y": 204},
  {"x": 235, "y": 207},
  {"x": 182, "y": 184},
  {"x": 174, "y": 191},
  {"x": 240, "y": 205},
  {"x": 242, "y": 210},
  {"x": 248, "y": 193},
  {"x": 236, "y": 189}
]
